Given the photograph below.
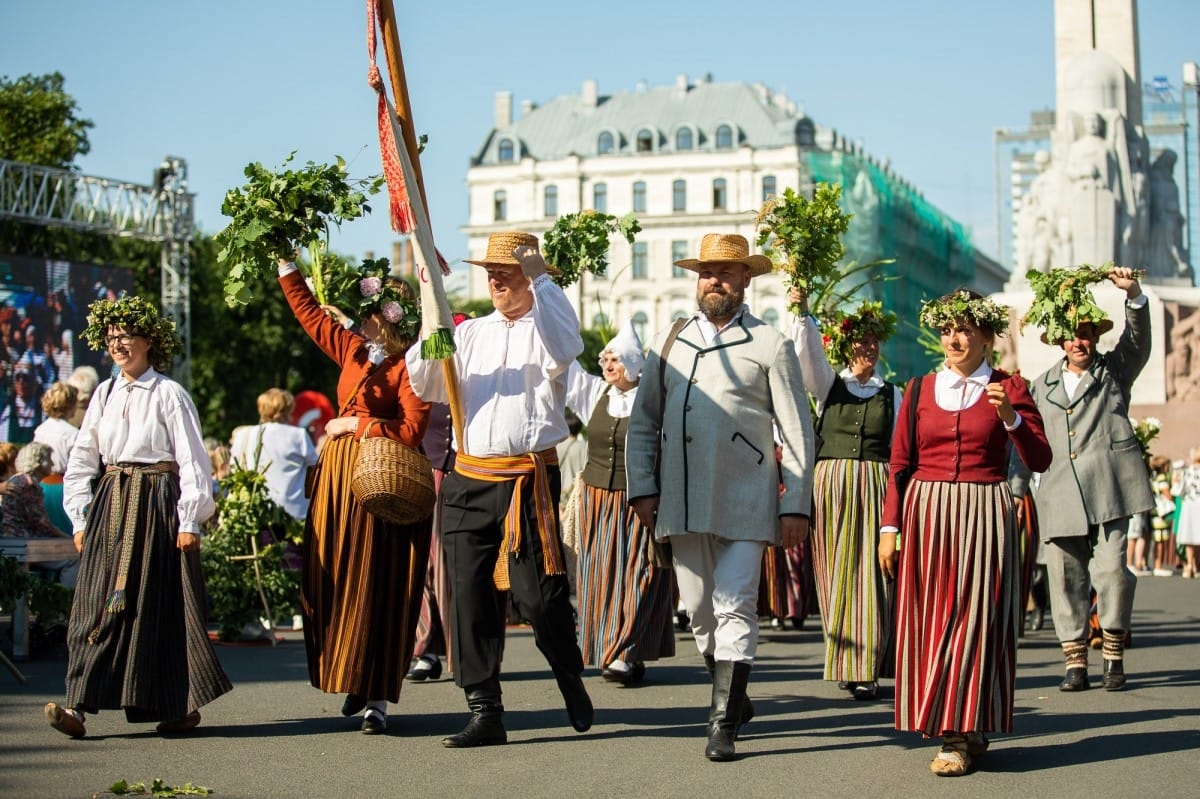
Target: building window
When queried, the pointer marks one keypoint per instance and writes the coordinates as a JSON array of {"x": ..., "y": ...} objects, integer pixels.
[
  {"x": 640, "y": 261},
  {"x": 500, "y": 205},
  {"x": 550, "y": 200},
  {"x": 768, "y": 187},
  {"x": 505, "y": 151},
  {"x": 724, "y": 137},
  {"x": 678, "y": 253},
  {"x": 771, "y": 317},
  {"x": 600, "y": 198},
  {"x": 604, "y": 145},
  {"x": 645, "y": 141},
  {"x": 679, "y": 195},
  {"x": 640, "y": 321},
  {"x": 720, "y": 198},
  {"x": 639, "y": 197},
  {"x": 683, "y": 139}
]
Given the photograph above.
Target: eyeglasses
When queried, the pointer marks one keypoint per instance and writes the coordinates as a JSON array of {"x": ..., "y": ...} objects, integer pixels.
[{"x": 124, "y": 339}]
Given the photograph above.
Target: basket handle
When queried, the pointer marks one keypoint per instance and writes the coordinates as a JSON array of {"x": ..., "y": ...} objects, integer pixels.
[{"x": 367, "y": 429}]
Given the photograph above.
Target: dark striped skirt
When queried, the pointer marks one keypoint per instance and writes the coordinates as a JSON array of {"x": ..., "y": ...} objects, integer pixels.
[
  {"x": 153, "y": 658},
  {"x": 786, "y": 589},
  {"x": 360, "y": 593},
  {"x": 855, "y": 599},
  {"x": 957, "y": 608},
  {"x": 626, "y": 604},
  {"x": 433, "y": 622}
]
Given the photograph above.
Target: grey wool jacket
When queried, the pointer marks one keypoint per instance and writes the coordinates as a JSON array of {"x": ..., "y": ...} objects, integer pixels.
[
  {"x": 718, "y": 471},
  {"x": 1098, "y": 474}
]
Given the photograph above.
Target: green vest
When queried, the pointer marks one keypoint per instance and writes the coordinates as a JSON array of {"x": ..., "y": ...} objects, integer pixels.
[
  {"x": 854, "y": 428},
  {"x": 606, "y": 448}
]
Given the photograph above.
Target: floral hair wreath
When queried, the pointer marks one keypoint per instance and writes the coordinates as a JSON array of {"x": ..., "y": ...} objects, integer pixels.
[
  {"x": 960, "y": 305},
  {"x": 842, "y": 331},
  {"x": 371, "y": 289},
  {"x": 138, "y": 316}
]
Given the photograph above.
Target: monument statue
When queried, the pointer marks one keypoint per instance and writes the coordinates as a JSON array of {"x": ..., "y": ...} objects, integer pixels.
[
  {"x": 1165, "y": 257},
  {"x": 1094, "y": 195}
]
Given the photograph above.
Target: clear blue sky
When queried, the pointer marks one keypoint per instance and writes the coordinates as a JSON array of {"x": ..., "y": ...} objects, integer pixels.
[{"x": 923, "y": 83}]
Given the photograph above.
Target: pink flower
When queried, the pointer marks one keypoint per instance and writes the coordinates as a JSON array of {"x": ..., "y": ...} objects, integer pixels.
[
  {"x": 370, "y": 286},
  {"x": 392, "y": 311}
]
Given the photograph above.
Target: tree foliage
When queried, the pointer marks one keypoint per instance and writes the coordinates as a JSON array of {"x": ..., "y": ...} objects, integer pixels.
[{"x": 39, "y": 123}]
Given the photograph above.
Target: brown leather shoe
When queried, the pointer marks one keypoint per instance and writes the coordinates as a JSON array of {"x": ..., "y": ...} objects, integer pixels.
[
  {"x": 64, "y": 721},
  {"x": 184, "y": 724}
]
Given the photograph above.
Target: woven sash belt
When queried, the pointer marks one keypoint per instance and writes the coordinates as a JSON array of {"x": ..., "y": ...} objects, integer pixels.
[
  {"x": 520, "y": 468},
  {"x": 123, "y": 526}
]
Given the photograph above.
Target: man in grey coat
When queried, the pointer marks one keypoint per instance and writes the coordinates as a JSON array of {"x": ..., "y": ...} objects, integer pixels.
[
  {"x": 700, "y": 460},
  {"x": 1098, "y": 479}
]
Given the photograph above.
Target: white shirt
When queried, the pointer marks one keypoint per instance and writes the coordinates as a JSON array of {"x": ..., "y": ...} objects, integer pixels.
[
  {"x": 147, "y": 421},
  {"x": 708, "y": 330},
  {"x": 58, "y": 435},
  {"x": 585, "y": 389},
  {"x": 953, "y": 392},
  {"x": 286, "y": 454},
  {"x": 819, "y": 374},
  {"x": 513, "y": 375}
]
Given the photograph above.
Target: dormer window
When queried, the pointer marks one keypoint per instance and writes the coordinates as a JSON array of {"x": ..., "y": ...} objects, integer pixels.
[
  {"x": 604, "y": 144},
  {"x": 684, "y": 139},
  {"x": 645, "y": 141},
  {"x": 505, "y": 151},
  {"x": 724, "y": 137}
]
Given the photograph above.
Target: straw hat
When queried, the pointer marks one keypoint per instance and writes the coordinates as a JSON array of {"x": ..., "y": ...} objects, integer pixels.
[
  {"x": 726, "y": 248},
  {"x": 500, "y": 249}
]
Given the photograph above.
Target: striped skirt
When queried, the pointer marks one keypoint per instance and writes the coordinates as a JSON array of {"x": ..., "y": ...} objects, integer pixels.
[
  {"x": 786, "y": 589},
  {"x": 153, "y": 658},
  {"x": 957, "y": 608},
  {"x": 626, "y": 604},
  {"x": 360, "y": 592},
  {"x": 855, "y": 600}
]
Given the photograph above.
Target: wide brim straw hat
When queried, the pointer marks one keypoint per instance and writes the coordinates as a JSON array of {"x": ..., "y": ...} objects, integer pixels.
[
  {"x": 1102, "y": 327},
  {"x": 726, "y": 248},
  {"x": 500, "y": 249}
]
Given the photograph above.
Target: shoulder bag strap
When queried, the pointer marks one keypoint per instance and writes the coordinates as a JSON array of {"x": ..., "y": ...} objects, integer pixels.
[{"x": 914, "y": 388}]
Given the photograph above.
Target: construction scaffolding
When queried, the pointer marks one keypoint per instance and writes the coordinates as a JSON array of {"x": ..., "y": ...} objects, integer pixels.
[{"x": 162, "y": 212}]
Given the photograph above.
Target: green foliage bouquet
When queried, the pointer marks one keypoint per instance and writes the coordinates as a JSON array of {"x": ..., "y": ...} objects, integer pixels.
[
  {"x": 1063, "y": 299},
  {"x": 274, "y": 213},
  {"x": 1146, "y": 430},
  {"x": 578, "y": 243},
  {"x": 804, "y": 237}
]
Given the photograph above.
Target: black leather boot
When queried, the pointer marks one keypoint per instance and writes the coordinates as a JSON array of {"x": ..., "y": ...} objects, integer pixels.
[
  {"x": 728, "y": 696},
  {"x": 1114, "y": 664},
  {"x": 579, "y": 704},
  {"x": 486, "y": 725},
  {"x": 710, "y": 663}
]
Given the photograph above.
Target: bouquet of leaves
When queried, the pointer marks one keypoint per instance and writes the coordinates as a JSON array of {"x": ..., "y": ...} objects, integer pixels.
[
  {"x": 276, "y": 212},
  {"x": 578, "y": 243},
  {"x": 1062, "y": 299},
  {"x": 1146, "y": 430},
  {"x": 804, "y": 238}
]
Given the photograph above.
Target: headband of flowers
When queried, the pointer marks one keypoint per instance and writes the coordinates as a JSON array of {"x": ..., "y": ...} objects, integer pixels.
[
  {"x": 841, "y": 332},
  {"x": 136, "y": 316},
  {"x": 959, "y": 306},
  {"x": 370, "y": 289}
]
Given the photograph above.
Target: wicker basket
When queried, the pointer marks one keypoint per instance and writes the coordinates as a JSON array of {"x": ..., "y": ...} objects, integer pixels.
[{"x": 392, "y": 481}]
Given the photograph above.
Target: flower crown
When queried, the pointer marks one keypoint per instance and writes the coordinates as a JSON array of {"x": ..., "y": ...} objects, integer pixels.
[
  {"x": 134, "y": 315},
  {"x": 960, "y": 305},
  {"x": 842, "y": 331},
  {"x": 370, "y": 289}
]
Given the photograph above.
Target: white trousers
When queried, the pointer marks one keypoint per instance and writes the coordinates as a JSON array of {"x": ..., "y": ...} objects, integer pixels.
[{"x": 718, "y": 583}]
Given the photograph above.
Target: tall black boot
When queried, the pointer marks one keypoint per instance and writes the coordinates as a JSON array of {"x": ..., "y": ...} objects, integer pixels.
[
  {"x": 710, "y": 663},
  {"x": 486, "y": 725},
  {"x": 575, "y": 696},
  {"x": 728, "y": 696}
]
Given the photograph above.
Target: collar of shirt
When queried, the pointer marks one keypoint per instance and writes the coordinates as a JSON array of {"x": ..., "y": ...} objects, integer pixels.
[
  {"x": 953, "y": 380},
  {"x": 874, "y": 381},
  {"x": 954, "y": 392},
  {"x": 144, "y": 381},
  {"x": 708, "y": 330}
]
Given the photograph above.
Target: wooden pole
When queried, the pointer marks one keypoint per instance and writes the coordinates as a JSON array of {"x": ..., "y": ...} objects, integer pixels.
[{"x": 395, "y": 65}]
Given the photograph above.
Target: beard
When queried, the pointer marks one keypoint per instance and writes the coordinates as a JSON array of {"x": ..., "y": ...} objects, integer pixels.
[{"x": 721, "y": 306}]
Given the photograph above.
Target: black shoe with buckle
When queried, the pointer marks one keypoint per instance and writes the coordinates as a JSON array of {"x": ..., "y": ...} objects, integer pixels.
[
  {"x": 374, "y": 722},
  {"x": 1114, "y": 675},
  {"x": 1076, "y": 680},
  {"x": 427, "y": 667}
]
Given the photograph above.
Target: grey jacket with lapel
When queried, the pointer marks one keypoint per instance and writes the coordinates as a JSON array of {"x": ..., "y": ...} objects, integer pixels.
[{"x": 1098, "y": 474}]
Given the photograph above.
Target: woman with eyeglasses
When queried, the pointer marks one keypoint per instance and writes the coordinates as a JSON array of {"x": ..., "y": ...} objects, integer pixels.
[{"x": 137, "y": 489}]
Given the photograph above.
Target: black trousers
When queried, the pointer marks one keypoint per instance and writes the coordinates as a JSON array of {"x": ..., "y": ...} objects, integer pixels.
[{"x": 473, "y": 515}]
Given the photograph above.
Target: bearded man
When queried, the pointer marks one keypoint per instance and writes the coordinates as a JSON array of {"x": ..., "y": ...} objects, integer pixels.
[{"x": 701, "y": 465}]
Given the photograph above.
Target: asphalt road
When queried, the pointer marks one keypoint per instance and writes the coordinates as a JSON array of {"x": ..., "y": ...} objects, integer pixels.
[{"x": 275, "y": 736}]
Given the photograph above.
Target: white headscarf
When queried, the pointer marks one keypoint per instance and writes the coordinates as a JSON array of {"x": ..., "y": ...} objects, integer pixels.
[{"x": 628, "y": 348}]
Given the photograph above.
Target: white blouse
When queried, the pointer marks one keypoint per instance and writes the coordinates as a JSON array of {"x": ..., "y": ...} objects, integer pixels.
[
  {"x": 513, "y": 375},
  {"x": 58, "y": 435},
  {"x": 585, "y": 389},
  {"x": 149, "y": 420}
]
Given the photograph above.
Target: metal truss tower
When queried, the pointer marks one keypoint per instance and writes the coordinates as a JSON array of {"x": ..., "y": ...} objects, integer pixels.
[{"x": 162, "y": 212}]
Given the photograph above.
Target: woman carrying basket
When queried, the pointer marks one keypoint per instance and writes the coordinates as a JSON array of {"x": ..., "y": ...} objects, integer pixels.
[{"x": 360, "y": 592}]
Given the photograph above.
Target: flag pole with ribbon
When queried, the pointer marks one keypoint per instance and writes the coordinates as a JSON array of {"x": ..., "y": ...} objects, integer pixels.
[{"x": 408, "y": 209}]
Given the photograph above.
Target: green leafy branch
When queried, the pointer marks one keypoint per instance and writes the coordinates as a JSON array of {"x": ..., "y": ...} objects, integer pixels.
[
  {"x": 276, "y": 212},
  {"x": 158, "y": 787},
  {"x": 803, "y": 237},
  {"x": 579, "y": 243},
  {"x": 1063, "y": 299}
]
